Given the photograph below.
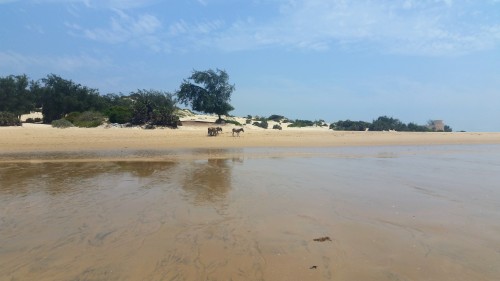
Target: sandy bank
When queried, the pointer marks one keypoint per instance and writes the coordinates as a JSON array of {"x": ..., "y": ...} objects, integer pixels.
[{"x": 38, "y": 138}]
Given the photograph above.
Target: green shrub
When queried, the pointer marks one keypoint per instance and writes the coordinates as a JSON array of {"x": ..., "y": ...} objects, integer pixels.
[
  {"x": 276, "y": 117},
  {"x": 277, "y": 127},
  {"x": 233, "y": 122},
  {"x": 248, "y": 121},
  {"x": 72, "y": 117},
  {"x": 33, "y": 120},
  {"x": 61, "y": 123},
  {"x": 262, "y": 124},
  {"x": 120, "y": 114},
  {"x": 88, "y": 119},
  {"x": 320, "y": 123},
  {"x": 301, "y": 123},
  {"x": 9, "y": 119}
]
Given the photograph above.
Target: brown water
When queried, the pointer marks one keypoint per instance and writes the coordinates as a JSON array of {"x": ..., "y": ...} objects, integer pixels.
[{"x": 392, "y": 213}]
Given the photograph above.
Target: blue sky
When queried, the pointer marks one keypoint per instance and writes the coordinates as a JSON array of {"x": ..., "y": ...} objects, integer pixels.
[{"x": 311, "y": 59}]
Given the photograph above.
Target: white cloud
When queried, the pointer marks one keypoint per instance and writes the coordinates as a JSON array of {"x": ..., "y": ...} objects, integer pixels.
[
  {"x": 426, "y": 27},
  {"x": 105, "y": 4},
  {"x": 20, "y": 62},
  {"x": 416, "y": 27},
  {"x": 206, "y": 27},
  {"x": 122, "y": 28},
  {"x": 35, "y": 28}
]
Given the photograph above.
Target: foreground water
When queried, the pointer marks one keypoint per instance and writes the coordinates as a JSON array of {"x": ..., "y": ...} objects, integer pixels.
[{"x": 391, "y": 213}]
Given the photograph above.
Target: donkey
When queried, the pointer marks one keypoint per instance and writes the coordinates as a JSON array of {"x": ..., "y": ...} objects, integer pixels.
[
  {"x": 238, "y": 131},
  {"x": 214, "y": 131}
]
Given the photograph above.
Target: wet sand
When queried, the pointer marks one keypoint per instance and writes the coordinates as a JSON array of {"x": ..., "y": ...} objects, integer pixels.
[{"x": 391, "y": 212}]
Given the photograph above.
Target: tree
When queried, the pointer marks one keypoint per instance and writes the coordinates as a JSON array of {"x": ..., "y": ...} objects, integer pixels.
[
  {"x": 154, "y": 108},
  {"x": 207, "y": 91},
  {"x": 15, "y": 95},
  {"x": 59, "y": 97},
  {"x": 412, "y": 127},
  {"x": 348, "y": 125},
  {"x": 384, "y": 123}
]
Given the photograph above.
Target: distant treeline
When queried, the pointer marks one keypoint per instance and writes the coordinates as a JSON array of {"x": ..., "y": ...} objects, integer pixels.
[
  {"x": 384, "y": 123},
  {"x": 58, "y": 98},
  {"x": 65, "y": 103}
]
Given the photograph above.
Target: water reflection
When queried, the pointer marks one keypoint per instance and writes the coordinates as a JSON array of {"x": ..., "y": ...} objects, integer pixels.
[
  {"x": 55, "y": 178},
  {"x": 215, "y": 217},
  {"x": 208, "y": 181}
]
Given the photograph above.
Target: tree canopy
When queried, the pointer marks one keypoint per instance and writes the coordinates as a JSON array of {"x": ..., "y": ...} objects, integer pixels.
[
  {"x": 59, "y": 97},
  {"x": 154, "y": 108},
  {"x": 207, "y": 91},
  {"x": 15, "y": 95},
  {"x": 382, "y": 123}
]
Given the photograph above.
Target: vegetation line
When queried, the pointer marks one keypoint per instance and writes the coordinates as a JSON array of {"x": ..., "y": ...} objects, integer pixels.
[{"x": 64, "y": 103}]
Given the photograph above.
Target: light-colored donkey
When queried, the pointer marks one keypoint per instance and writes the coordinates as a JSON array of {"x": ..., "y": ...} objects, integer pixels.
[{"x": 238, "y": 131}]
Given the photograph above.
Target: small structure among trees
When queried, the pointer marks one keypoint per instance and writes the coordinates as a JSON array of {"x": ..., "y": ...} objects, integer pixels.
[{"x": 436, "y": 125}]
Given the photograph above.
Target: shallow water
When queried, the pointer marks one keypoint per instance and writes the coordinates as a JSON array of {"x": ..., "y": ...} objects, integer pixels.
[{"x": 392, "y": 213}]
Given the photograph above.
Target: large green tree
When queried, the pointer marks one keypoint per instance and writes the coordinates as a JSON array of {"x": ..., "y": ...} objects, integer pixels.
[
  {"x": 59, "y": 97},
  {"x": 153, "y": 107},
  {"x": 15, "y": 95},
  {"x": 384, "y": 123},
  {"x": 207, "y": 91}
]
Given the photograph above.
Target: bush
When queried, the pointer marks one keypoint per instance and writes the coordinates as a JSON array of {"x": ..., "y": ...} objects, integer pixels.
[
  {"x": 72, "y": 116},
  {"x": 320, "y": 123},
  {"x": 301, "y": 123},
  {"x": 9, "y": 119},
  {"x": 61, "y": 123},
  {"x": 120, "y": 114},
  {"x": 35, "y": 120},
  {"x": 262, "y": 124},
  {"x": 276, "y": 117},
  {"x": 277, "y": 127},
  {"x": 348, "y": 125},
  {"x": 233, "y": 122},
  {"x": 88, "y": 119},
  {"x": 154, "y": 107},
  {"x": 248, "y": 121}
]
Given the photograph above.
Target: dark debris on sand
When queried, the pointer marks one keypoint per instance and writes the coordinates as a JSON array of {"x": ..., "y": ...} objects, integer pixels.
[{"x": 322, "y": 239}]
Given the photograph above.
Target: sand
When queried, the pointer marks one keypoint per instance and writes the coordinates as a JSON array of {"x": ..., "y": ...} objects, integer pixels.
[{"x": 44, "y": 138}]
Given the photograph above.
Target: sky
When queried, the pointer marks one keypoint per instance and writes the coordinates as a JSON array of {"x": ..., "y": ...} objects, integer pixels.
[{"x": 414, "y": 60}]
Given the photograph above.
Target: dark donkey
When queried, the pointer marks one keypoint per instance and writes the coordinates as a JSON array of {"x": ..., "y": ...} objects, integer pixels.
[{"x": 214, "y": 131}]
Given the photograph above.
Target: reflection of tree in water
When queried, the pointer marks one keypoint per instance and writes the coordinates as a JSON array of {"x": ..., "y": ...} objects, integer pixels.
[
  {"x": 145, "y": 169},
  {"x": 59, "y": 178},
  {"x": 208, "y": 181}
]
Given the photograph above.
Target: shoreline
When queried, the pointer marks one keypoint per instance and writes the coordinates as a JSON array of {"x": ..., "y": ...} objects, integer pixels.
[{"x": 29, "y": 142}]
